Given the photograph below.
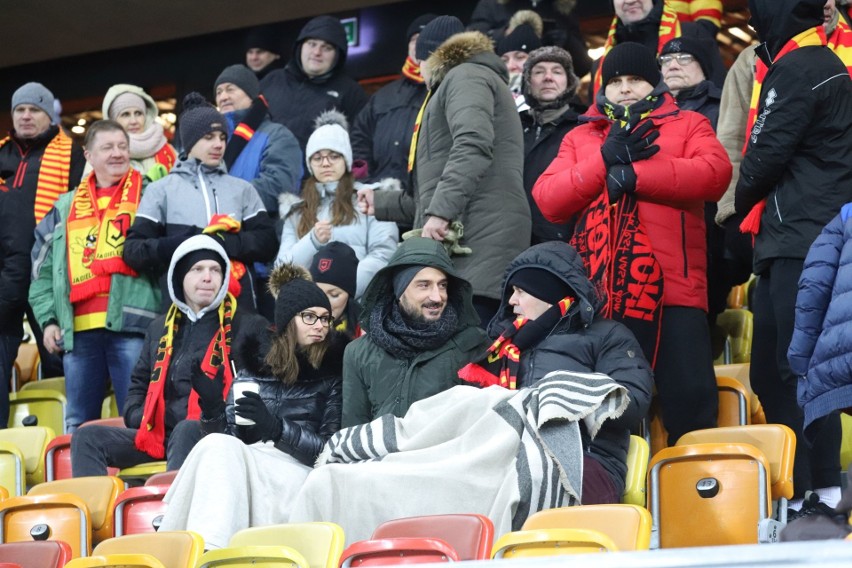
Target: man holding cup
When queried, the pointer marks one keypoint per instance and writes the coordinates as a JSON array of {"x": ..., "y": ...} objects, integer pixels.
[{"x": 186, "y": 351}]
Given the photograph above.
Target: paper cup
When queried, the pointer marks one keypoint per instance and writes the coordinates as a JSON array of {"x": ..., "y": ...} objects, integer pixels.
[{"x": 239, "y": 388}]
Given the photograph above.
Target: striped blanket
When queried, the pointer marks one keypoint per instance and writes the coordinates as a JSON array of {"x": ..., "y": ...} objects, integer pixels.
[{"x": 505, "y": 454}]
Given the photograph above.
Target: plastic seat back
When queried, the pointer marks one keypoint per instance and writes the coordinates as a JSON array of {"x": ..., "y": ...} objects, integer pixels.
[
  {"x": 628, "y": 526},
  {"x": 175, "y": 549},
  {"x": 165, "y": 478},
  {"x": 47, "y": 405},
  {"x": 470, "y": 535},
  {"x": 32, "y": 441},
  {"x": 637, "y": 472},
  {"x": 98, "y": 492},
  {"x": 59, "y": 517},
  {"x": 140, "y": 509},
  {"x": 707, "y": 495},
  {"x": 57, "y": 458},
  {"x": 36, "y": 554},
  {"x": 138, "y": 474},
  {"x": 13, "y": 473},
  {"x": 734, "y": 402},
  {"x": 253, "y": 556},
  {"x": 396, "y": 551},
  {"x": 739, "y": 326},
  {"x": 56, "y": 384},
  {"x": 116, "y": 561},
  {"x": 551, "y": 542},
  {"x": 319, "y": 543},
  {"x": 740, "y": 372},
  {"x": 27, "y": 365},
  {"x": 776, "y": 442}
]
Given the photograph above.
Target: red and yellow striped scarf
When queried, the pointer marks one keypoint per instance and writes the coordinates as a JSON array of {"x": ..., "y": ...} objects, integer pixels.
[
  {"x": 411, "y": 70},
  {"x": 840, "y": 42},
  {"x": 694, "y": 10},
  {"x": 95, "y": 237},
  {"x": 810, "y": 37},
  {"x": 150, "y": 438},
  {"x": 669, "y": 29},
  {"x": 53, "y": 174}
]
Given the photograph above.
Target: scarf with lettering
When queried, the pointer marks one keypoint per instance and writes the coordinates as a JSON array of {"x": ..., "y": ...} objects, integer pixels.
[
  {"x": 244, "y": 131},
  {"x": 501, "y": 362},
  {"x": 411, "y": 71},
  {"x": 151, "y": 435},
  {"x": 220, "y": 223},
  {"x": 669, "y": 29},
  {"x": 95, "y": 237},
  {"x": 810, "y": 37},
  {"x": 53, "y": 174}
]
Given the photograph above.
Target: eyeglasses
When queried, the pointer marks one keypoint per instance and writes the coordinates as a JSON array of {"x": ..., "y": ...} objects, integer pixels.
[
  {"x": 681, "y": 58},
  {"x": 310, "y": 318},
  {"x": 332, "y": 157}
]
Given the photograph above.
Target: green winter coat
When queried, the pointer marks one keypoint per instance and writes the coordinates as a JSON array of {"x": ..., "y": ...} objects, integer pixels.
[
  {"x": 377, "y": 383},
  {"x": 469, "y": 162},
  {"x": 133, "y": 301}
]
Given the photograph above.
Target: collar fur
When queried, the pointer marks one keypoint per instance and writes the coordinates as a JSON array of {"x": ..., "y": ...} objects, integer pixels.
[{"x": 455, "y": 51}]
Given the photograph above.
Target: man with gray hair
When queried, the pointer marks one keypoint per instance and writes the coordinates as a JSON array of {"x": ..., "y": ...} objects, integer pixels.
[{"x": 39, "y": 160}]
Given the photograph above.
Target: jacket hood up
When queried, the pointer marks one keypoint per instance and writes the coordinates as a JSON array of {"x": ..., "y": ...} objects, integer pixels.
[
  {"x": 192, "y": 244},
  {"x": 427, "y": 252},
  {"x": 116, "y": 90},
  {"x": 472, "y": 47},
  {"x": 562, "y": 261},
  {"x": 776, "y": 21},
  {"x": 326, "y": 28}
]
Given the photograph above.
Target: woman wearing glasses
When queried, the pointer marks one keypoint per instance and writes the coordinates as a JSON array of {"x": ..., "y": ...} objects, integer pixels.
[
  {"x": 327, "y": 210},
  {"x": 259, "y": 450}
]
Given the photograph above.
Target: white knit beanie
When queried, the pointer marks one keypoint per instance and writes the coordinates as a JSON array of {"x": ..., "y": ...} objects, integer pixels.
[{"x": 331, "y": 134}]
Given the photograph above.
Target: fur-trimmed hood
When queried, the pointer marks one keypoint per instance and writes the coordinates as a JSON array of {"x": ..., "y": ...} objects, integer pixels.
[
  {"x": 562, "y": 6},
  {"x": 473, "y": 47}
]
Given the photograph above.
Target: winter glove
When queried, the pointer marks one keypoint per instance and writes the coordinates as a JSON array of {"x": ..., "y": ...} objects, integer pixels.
[
  {"x": 166, "y": 246},
  {"x": 620, "y": 180},
  {"x": 209, "y": 390},
  {"x": 251, "y": 406},
  {"x": 625, "y": 146}
]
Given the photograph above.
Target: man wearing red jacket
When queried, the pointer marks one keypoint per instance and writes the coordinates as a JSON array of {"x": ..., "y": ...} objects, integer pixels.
[{"x": 637, "y": 175}]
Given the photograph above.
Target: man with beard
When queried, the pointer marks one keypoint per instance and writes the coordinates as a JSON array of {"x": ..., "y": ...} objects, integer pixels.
[{"x": 420, "y": 329}]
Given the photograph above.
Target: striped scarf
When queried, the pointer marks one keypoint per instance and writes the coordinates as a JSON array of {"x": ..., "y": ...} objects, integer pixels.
[
  {"x": 694, "y": 10},
  {"x": 411, "y": 71},
  {"x": 244, "y": 131},
  {"x": 53, "y": 174},
  {"x": 412, "y": 150},
  {"x": 840, "y": 42},
  {"x": 810, "y": 37},
  {"x": 150, "y": 438},
  {"x": 95, "y": 237},
  {"x": 669, "y": 29},
  {"x": 166, "y": 156}
]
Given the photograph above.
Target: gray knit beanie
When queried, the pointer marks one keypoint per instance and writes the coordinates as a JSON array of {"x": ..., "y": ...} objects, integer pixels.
[
  {"x": 242, "y": 77},
  {"x": 34, "y": 94},
  {"x": 553, "y": 54},
  {"x": 198, "y": 119}
]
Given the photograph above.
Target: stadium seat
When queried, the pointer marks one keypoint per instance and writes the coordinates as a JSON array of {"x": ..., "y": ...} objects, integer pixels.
[
  {"x": 739, "y": 327},
  {"x": 628, "y": 526},
  {"x": 54, "y": 383},
  {"x": 4, "y": 493},
  {"x": 27, "y": 366},
  {"x": 637, "y": 472},
  {"x": 252, "y": 556},
  {"x": 734, "y": 402},
  {"x": 551, "y": 542},
  {"x": 165, "y": 478},
  {"x": 98, "y": 493},
  {"x": 109, "y": 408},
  {"x": 138, "y": 474},
  {"x": 470, "y": 535},
  {"x": 846, "y": 444},
  {"x": 32, "y": 441},
  {"x": 57, "y": 458},
  {"x": 740, "y": 372},
  {"x": 116, "y": 561},
  {"x": 47, "y": 405},
  {"x": 12, "y": 471},
  {"x": 175, "y": 549},
  {"x": 399, "y": 550},
  {"x": 36, "y": 554},
  {"x": 139, "y": 509},
  {"x": 58, "y": 517},
  {"x": 319, "y": 543}
]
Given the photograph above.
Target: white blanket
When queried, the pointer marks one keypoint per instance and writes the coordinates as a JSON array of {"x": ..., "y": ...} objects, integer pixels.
[{"x": 505, "y": 454}]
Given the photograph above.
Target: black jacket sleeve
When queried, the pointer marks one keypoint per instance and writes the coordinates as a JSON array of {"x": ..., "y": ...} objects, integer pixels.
[
  {"x": 621, "y": 358},
  {"x": 256, "y": 241},
  {"x": 78, "y": 164},
  {"x": 140, "y": 247},
  {"x": 140, "y": 378},
  {"x": 305, "y": 444}
]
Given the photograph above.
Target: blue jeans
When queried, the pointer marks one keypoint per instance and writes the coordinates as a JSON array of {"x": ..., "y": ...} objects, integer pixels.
[
  {"x": 98, "y": 355},
  {"x": 8, "y": 352}
]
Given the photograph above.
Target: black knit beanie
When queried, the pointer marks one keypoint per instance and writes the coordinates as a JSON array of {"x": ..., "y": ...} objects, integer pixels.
[
  {"x": 418, "y": 24},
  {"x": 540, "y": 283},
  {"x": 551, "y": 54},
  {"x": 336, "y": 264},
  {"x": 435, "y": 33},
  {"x": 198, "y": 119},
  {"x": 630, "y": 58},
  {"x": 242, "y": 77},
  {"x": 187, "y": 262},
  {"x": 264, "y": 37},
  {"x": 523, "y": 38},
  {"x": 695, "y": 47},
  {"x": 294, "y": 292}
]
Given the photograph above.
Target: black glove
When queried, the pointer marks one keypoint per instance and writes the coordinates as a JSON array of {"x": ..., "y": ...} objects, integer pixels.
[
  {"x": 625, "y": 146},
  {"x": 166, "y": 246},
  {"x": 209, "y": 390},
  {"x": 620, "y": 180},
  {"x": 251, "y": 406}
]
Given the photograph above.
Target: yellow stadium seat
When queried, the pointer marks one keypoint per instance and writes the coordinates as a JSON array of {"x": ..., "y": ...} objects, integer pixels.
[
  {"x": 846, "y": 444},
  {"x": 740, "y": 372},
  {"x": 139, "y": 473},
  {"x": 47, "y": 405},
  {"x": 175, "y": 549},
  {"x": 637, "y": 472},
  {"x": 551, "y": 542},
  {"x": 739, "y": 326},
  {"x": 54, "y": 383},
  {"x": 27, "y": 365},
  {"x": 32, "y": 441},
  {"x": 628, "y": 526},
  {"x": 116, "y": 561},
  {"x": 319, "y": 543},
  {"x": 253, "y": 557},
  {"x": 12, "y": 471},
  {"x": 734, "y": 402}
]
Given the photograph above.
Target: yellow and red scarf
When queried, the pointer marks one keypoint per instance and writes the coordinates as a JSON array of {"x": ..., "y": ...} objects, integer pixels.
[
  {"x": 840, "y": 42},
  {"x": 53, "y": 173},
  {"x": 411, "y": 70},
  {"x": 150, "y": 438},
  {"x": 226, "y": 224},
  {"x": 694, "y": 10},
  {"x": 166, "y": 156},
  {"x": 412, "y": 150},
  {"x": 95, "y": 237},
  {"x": 810, "y": 37},
  {"x": 669, "y": 29}
]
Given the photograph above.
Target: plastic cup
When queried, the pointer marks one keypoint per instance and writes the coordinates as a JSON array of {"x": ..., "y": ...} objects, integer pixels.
[{"x": 240, "y": 388}]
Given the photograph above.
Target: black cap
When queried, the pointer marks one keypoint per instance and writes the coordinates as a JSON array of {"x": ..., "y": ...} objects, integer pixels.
[
  {"x": 418, "y": 24},
  {"x": 696, "y": 47},
  {"x": 630, "y": 58},
  {"x": 523, "y": 38},
  {"x": 541, "y": 283},
  {"x": 187, "y": 262},
  {"x": 264, "y": 37}
]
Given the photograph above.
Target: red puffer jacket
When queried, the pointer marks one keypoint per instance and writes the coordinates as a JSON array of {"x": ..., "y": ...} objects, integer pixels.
[{"x": 671, "y": 188}]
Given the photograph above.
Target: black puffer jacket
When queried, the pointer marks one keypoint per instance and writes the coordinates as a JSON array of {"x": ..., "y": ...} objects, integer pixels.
[
  {"x": 583, "y": 341},
  {"x": 799, "y": 151},
  {"x": 309, "y": 410},
  {"x": 541, "y": 145}
]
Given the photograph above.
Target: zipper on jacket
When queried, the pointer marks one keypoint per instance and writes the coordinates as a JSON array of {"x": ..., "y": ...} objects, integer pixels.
[
  {"x": 204, "y": 193},
  {"x": 777, "y": 208},
  {"x": 22, "y": 171},
  {"x": 683, "y": 243}
]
